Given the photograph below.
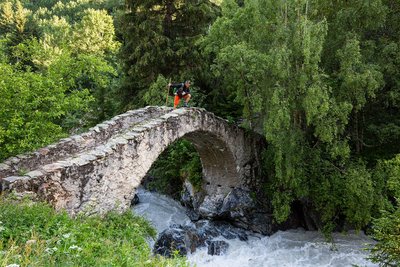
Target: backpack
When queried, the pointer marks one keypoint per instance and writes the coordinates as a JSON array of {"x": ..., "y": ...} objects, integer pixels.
[{"x": 176, "y": 88}]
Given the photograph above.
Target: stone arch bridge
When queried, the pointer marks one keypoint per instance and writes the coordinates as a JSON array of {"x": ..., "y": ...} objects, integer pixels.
[{"x": 100, "y": 170}]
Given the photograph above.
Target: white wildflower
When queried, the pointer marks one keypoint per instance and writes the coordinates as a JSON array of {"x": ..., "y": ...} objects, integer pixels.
[
  {"x": 12, "y": 265},
  {"x": 51, "y": 250},
  {"x": 67, "y": 235},
  {"x": 30, "y": 242},
  {"x": 2, "y": 228},
  {"x": 75, "y": 247}
]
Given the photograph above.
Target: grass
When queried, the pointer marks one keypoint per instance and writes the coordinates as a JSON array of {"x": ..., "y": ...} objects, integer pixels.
[{"x": 34, "y": 234}]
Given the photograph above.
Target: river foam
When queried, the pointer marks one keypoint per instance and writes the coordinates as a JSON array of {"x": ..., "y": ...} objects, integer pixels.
[{"x": 293, "y": 248}]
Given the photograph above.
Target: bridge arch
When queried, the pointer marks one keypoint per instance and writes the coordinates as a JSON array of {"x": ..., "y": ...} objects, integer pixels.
[
  {"x": 220, "y": 173},
  {"x": 104, "y": 175}
]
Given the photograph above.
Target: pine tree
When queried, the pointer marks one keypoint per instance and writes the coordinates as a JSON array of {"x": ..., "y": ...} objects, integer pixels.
[{"x": 160, "y": 38}]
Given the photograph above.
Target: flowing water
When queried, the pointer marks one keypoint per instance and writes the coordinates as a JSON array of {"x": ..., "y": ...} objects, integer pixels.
[{"x": 285, "y": 248}]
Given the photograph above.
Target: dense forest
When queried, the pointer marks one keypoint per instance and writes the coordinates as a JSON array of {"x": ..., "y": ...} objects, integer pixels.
[{"x": 319, "y": 79}]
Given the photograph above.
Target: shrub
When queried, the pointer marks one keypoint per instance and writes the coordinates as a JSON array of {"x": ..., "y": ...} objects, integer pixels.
[{"x": 33, "y": 234}]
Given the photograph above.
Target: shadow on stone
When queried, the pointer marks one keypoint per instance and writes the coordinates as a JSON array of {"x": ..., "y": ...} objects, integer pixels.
[
  {"x": 217, "y": 247},
  {"x": 135, "y": 200}
]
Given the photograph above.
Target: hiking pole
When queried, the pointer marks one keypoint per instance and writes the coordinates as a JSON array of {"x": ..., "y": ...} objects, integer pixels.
[{"x": 166, "y": 100}]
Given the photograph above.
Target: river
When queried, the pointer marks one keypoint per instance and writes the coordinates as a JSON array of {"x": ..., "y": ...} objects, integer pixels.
[{"x": 285, "y": 248}]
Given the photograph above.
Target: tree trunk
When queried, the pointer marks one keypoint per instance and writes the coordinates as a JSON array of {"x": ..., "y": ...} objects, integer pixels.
[{"x": 169, "y": 11}]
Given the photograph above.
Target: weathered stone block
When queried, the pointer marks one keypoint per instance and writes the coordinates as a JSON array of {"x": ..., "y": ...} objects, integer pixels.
[{"x": 8, "y": 183}]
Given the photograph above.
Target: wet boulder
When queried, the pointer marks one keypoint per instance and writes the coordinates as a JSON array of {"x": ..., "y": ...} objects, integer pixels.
[
  {"x": 217, "y": 247},
  {"x": 261, "y": 223},
  {"x": 135, "y": 200},
  {"x": 185, "y": 239},
  {"x": 229, "y": 232},
  {"x": 211, "y": 229},
  {"x": 206, "y": 231},
  {"x": 170, "y": 240},
  {"x": 189, "y": 197},
  {"x": 211, "y": 206},
  {"x": 197, "y": 239},
  {"x": 237, "y": 204},
  {"x": 193, "y": 215}
]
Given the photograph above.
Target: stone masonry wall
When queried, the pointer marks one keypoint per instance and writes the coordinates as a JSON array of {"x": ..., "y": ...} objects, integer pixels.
[
  {"x": 78, "y": 143},
  {"x": 104, "y": 175}
]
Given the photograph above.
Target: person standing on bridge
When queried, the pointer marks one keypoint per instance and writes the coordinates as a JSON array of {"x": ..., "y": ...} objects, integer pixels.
[{"x": 181, "y": 90}]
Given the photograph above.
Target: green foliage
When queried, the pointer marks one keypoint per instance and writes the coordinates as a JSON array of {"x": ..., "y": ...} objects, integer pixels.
[
  {"x": 357, "y": 192},
  {"x": 386, "y": 231},
  {"x": 31, "y": 107},
  {"x": 92, "y": 73},
  {"x": 308, "y": 85},
  {"x": 157, "y": 93},
  {"x": 94, "y": 34},
  {"x": 160, "y": 39},
  {"x": 33, "y": 234},
  {"x": 72, "y": 10},
  {"x": 386, "y": 178},
  {"x": 13, "y": 17},
  {"x": 322, "y": 80},
  {"x": 358, "y": 81},
  {"x": 58, "y": 68},
  {"x": 179, "y": 162},
  {"x": 191, "y": 170},
  {"x": 386, "y": 227},
  {"x": 382, "y": 118}
]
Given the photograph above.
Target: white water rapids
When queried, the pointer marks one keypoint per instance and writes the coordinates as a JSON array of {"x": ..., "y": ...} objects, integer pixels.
[{"x": 294, "y": 248}]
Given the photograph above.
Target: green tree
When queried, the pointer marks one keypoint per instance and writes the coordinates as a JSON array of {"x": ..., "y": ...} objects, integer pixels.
[
  {"x": 386, "y": 226},
  {"x": 381, "y": 119},
  {"x": 31, "y": 108},
  {"x": 157, "y": 93},
  {"x": 13, "y": 17},
  {"x": 269, "y": 56},
  {"x": 87, "y": 72},
  {"x": 69, "y": 68},
  {"x": 159, "y": 39},
  {"x": 386, "y": 231},
  {"x": 14, "y": 28},
  {"x": 95, "y": 34}
]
